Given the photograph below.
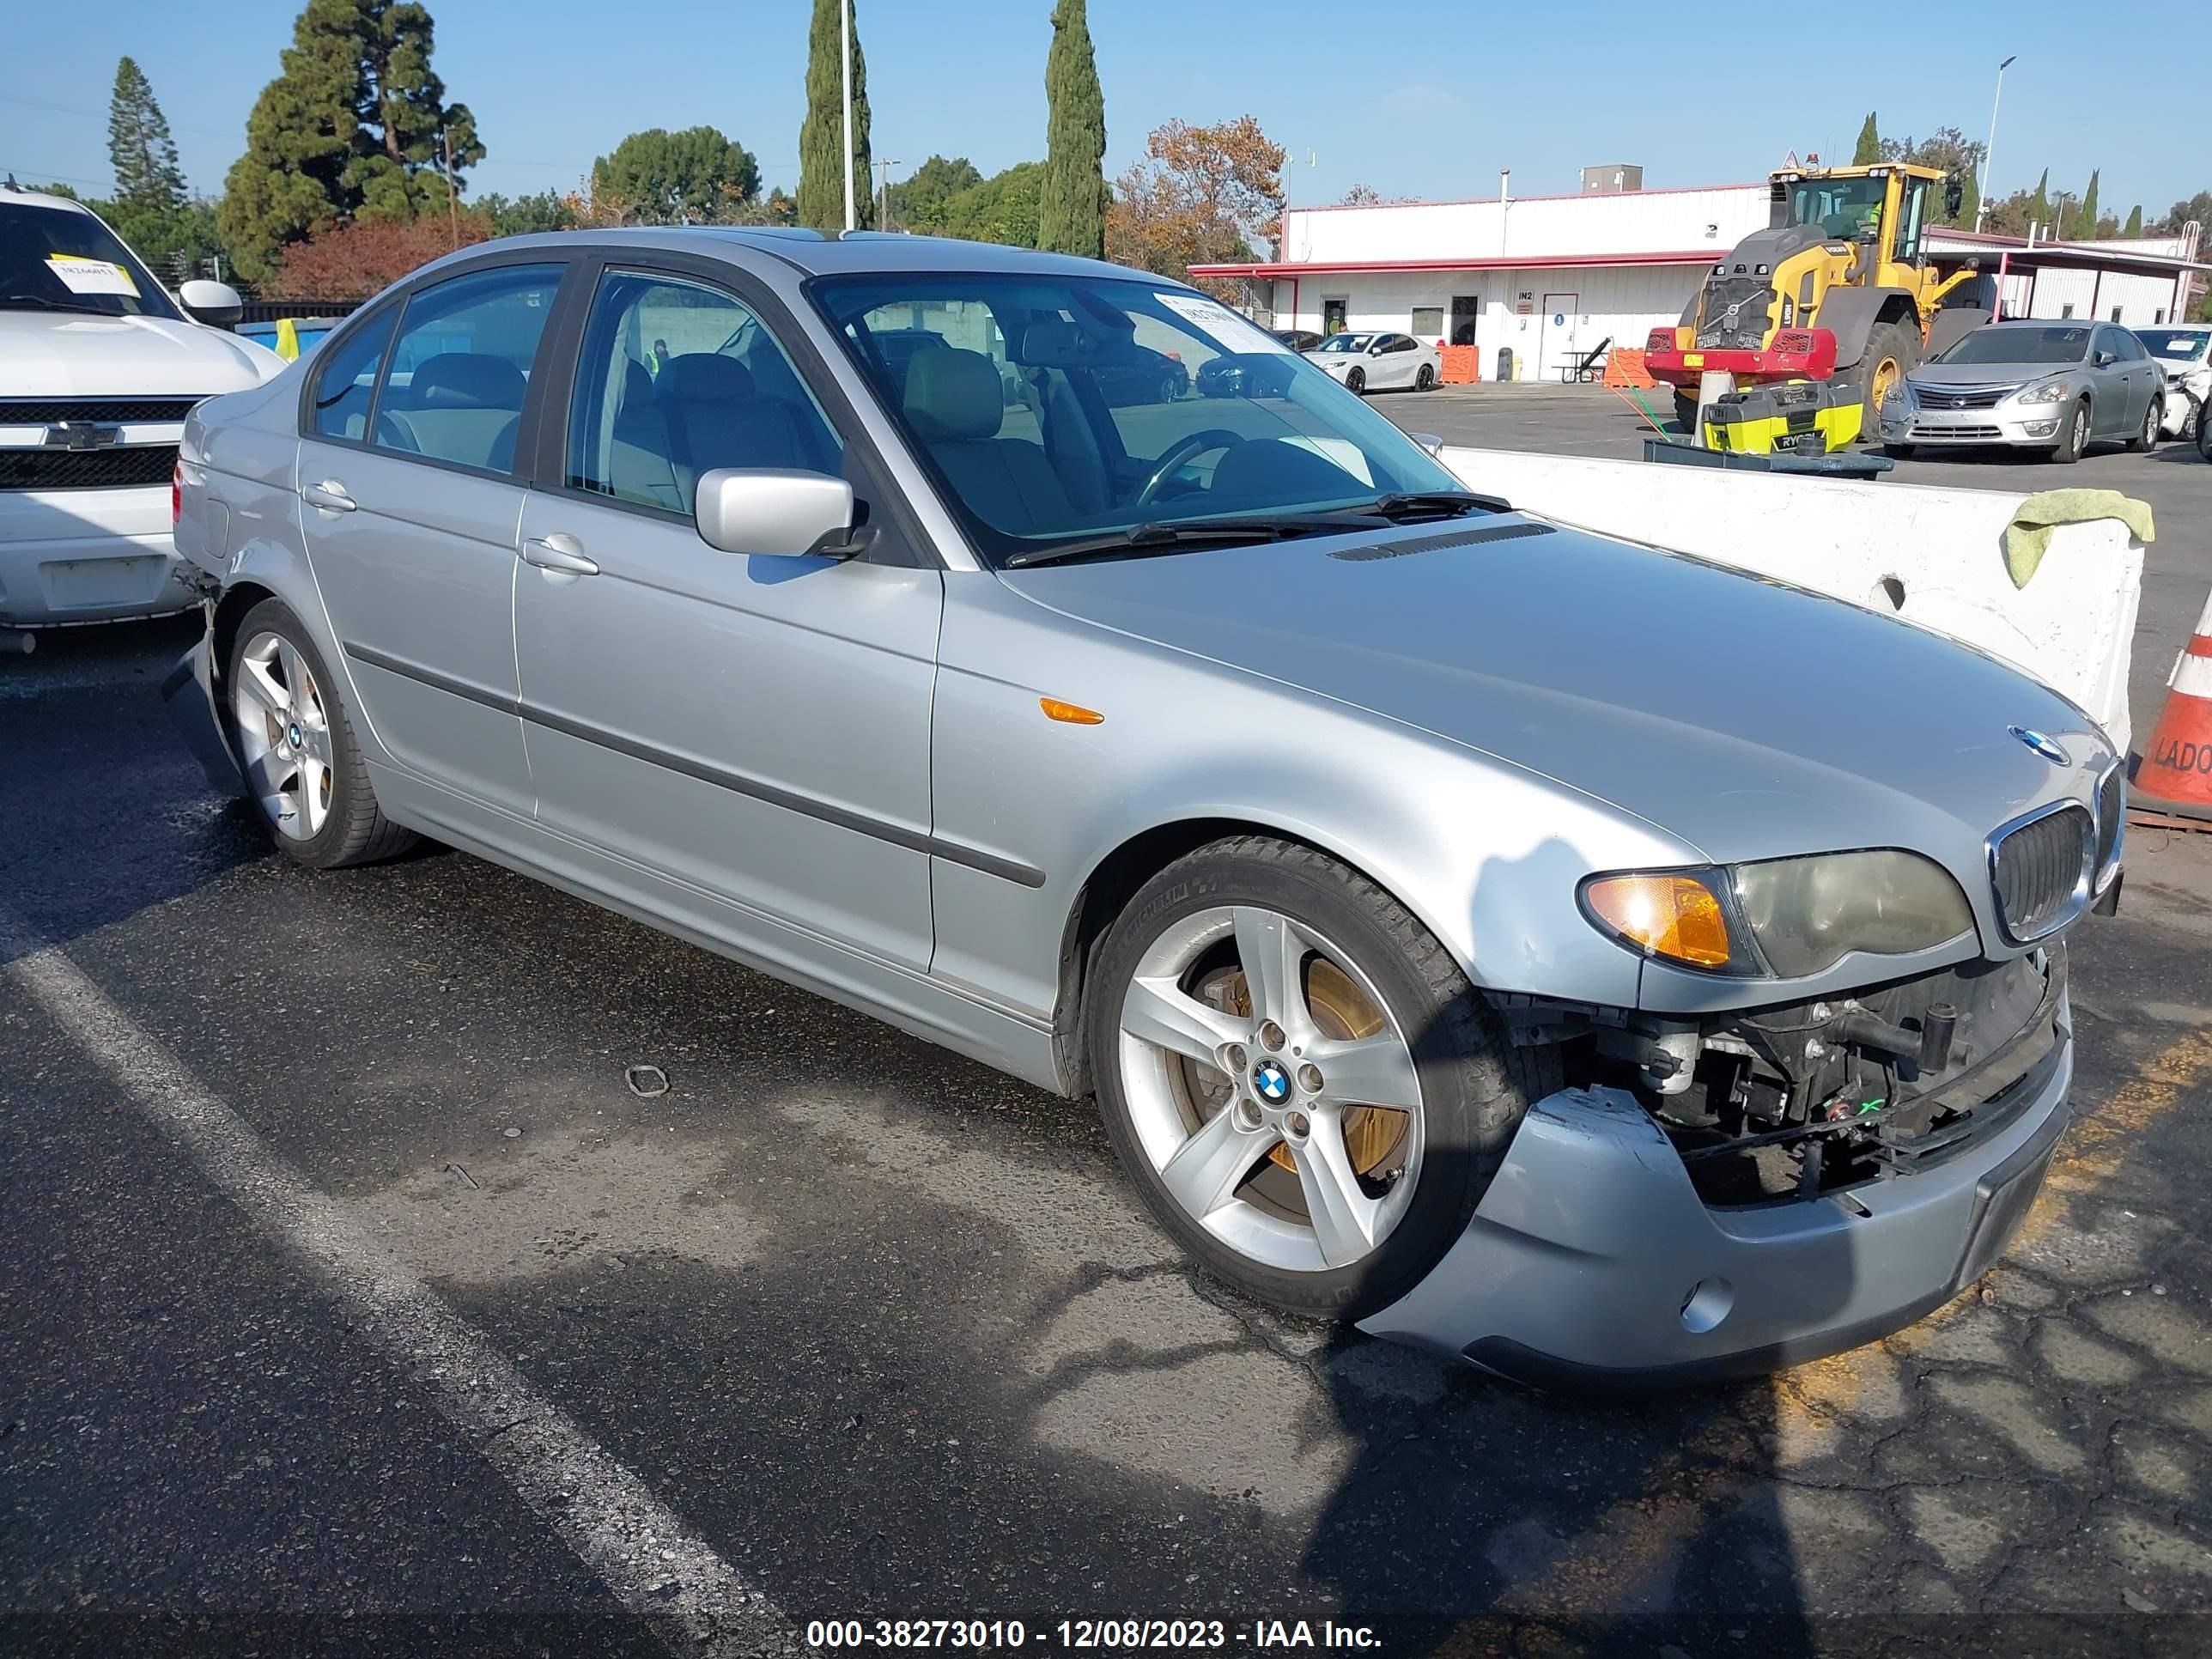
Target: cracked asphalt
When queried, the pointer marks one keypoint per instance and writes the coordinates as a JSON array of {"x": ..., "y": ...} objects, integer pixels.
[{"x": 889, "y": 1334}]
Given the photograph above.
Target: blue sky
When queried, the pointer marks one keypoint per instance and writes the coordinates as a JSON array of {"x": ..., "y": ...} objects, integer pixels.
[{"x": 1425, "y": 98}]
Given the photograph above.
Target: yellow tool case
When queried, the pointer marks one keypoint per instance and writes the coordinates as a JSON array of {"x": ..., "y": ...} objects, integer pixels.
[{"x": 1793, "y": 417}]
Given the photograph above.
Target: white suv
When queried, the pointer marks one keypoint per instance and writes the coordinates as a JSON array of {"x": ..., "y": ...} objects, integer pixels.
[{"x": 98, "y": 366}]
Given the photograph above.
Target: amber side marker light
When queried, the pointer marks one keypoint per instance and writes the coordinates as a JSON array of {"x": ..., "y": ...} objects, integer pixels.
[
  {"x": 1677, "y": 917},
  {"x": 1069, "y": 713}
]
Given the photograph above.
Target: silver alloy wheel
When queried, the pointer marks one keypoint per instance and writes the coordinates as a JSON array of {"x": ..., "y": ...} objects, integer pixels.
[
  {"x": 283, "y": 735},
  {"x": 2078, "y": 438},
  {"x": 2153, "y": 418},
  {"x": 1286, "y": 1125}
]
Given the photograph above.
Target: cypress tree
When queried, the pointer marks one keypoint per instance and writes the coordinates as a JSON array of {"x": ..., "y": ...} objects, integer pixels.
[
  {"x": 1870, "y": 145},
  {"x": 2134, "y": 226},
  {"x": 2039, "y": 205},
  {"x": 2087, "y": 219},
  {"x": 822, "y": 137},
  {"x": 139, "y": 147},
  {"x": 1072, "y": 208}
]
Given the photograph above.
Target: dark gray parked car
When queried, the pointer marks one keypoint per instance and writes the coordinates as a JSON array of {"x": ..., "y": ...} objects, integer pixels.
[
  {"x": 2031, "y": 384},
  {"x": 1594, "y": 962}
]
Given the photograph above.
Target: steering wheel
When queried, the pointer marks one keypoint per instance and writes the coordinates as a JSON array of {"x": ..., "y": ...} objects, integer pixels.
[{"x": 1181, "y": 451}]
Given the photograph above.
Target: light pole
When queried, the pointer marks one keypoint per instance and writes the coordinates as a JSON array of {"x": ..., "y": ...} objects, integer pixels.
[
  {"x": 845, "y": 71},
  {"x": 1989, "y": 149}
]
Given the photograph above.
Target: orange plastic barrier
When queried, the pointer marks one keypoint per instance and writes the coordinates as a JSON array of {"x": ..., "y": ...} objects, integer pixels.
[
  {"x": 1624, "y": 369},
  {"x": 1462, "y": 364}
]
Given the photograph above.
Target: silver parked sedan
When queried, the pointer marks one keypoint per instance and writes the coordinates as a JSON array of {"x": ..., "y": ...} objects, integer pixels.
[
  {"x": 2030, "y": 384},
  {"x": 1590, "y": 961}
]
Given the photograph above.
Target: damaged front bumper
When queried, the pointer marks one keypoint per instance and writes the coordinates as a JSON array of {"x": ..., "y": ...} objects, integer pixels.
[{"x": 1595, "y": 1262}]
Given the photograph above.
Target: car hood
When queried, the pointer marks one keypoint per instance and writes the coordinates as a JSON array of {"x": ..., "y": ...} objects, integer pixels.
[
  {"x": 1748, "y": 718},
  {"x": 1986, "y": 373},
  {"x": 49, "y": 354}
]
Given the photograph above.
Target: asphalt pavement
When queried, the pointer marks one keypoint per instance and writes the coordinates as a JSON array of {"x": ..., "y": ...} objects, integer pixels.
[{"x": 353, "y": 1303}]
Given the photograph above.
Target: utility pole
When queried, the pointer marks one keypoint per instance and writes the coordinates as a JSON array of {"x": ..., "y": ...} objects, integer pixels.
[
  {"x": 452, "y": 204},
  {"x": 844, "y": 69},
  {"x": 883, "y": 193},
  {"x": 1989, "y": 149}
]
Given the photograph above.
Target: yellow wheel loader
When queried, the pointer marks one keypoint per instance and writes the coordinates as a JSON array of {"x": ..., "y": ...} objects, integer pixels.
[{"x": 1837, "y": 286}]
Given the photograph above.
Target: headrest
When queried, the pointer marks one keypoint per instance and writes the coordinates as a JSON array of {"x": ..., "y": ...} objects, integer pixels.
[
  {"x": 700, "y": 377},
  {"x": 637, "y": 383},
  {"x": 466, "y": 379},
  {"x": 1050, "y": 345},
  {"x": 954, "y": 395}
]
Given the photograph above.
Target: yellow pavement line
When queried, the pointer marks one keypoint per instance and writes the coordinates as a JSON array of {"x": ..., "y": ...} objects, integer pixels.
[{"x": 1630, "y": 1540}]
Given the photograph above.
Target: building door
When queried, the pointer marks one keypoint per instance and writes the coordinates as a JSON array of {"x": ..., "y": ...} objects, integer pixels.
[
  {"x": 1332, "y": 314},
  {"x": 1556, "y": 327},
  {"x": 1466, "y": 318}
]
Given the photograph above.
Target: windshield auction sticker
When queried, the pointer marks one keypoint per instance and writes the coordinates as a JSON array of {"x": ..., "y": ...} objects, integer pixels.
[
  {"x": 81, "y": 276},
  {"x": 1231, "y": 331}
]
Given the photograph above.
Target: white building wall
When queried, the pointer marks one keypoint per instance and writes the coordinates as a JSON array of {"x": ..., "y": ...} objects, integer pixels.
[
  {"x": 1594, "y": 302},
  {"x": 2140, "y": 300},
  {"x": 1530, "y": 228}
]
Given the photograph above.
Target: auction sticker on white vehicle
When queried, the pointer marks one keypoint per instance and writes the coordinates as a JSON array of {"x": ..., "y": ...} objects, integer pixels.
[
  {"x": 81, "y": 276},
  {"x": 1234, "y": 333}
]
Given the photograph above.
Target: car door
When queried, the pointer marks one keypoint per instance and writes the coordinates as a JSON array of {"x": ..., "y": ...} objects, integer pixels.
[
  {"x": 2144, "y": 377},
  {"x": 1396, "y": 362},
  {"x": 2110, "y": 393},
  {"x": 408, "y": 503},
  {"x": 751, "y": 730}
]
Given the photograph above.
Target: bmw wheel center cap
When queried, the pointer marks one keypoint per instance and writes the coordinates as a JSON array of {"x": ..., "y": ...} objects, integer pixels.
[{"x": 1271, "y": 1082}]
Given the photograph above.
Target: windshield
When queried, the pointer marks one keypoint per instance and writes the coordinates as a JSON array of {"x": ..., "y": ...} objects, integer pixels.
[
  {"x": 2182, "y": 345},
  {"x": 1058, "y": 410},
  {"x": 60, "y": 259},
  {"x": 1345, "y": 343},
  {"x": 2021, "y": 345},
  {"x": 1844, "y": 208}
]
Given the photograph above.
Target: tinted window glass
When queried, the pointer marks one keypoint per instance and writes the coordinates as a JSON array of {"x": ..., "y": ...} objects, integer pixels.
[
  {"x": 2181, "y": 345},
  {"x": 461, "y": 365},
  {"x": 677, "y": 378},
  {"x": 346, "y": 381},
  {"x": 60, "y": 259}
]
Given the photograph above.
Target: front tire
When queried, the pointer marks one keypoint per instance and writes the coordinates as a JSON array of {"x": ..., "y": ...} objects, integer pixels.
[
  {"x": 2076, "y": 438},
  {"x": 1893, "y": 350},
  {"x": 2146, "y": 440},
  {"x": 1355, "y": 382},
  {"x": 295, "y": 743},
  {"x": 1298, "y": 1077}
]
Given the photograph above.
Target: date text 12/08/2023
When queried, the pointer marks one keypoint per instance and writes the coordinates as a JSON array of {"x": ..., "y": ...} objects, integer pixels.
[{"x": 1082, "y": 1635}]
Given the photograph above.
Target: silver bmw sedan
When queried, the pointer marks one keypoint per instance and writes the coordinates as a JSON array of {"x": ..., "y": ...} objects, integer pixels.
[{"x": 1593, "y": 962}]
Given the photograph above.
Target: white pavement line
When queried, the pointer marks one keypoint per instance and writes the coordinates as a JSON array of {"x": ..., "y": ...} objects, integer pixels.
[{"x": 637, "y": 1546}]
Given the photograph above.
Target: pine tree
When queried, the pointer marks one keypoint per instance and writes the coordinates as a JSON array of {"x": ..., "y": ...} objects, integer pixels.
[
  {"x": 139, "y": 147},
  {"x": 822, "y": 135},
  {"x": 2039, "y": 205},
  {"x": 2134, "y": 226},
  {"x": 1071, "y": 210},
  {"x": 355, "y": 124},
  {"x": 2085, "y": 216},
  {"x": 1870, "y": 145}
]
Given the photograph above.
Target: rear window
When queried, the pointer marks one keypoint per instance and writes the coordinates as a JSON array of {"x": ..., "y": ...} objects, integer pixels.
[{"x": 61, "y": 259}]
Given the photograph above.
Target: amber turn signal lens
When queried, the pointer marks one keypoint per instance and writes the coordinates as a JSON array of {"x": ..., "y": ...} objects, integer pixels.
[
  {"x": 1677, "y": 917},
  {"x": 1069, "y": 713}
]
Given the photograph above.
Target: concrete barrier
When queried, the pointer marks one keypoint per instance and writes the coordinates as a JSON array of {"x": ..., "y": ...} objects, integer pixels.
[{"x": 1935, "y": 558}]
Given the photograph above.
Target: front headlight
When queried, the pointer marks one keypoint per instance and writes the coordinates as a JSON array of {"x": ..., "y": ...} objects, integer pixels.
[
  {"x": 1897, "y": 396},
  {"x": 1783, "y": 918},
  {"x": 2051, "y": 391}
]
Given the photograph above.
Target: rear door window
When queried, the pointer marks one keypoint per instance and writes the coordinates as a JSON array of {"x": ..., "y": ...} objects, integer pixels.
[
  {"x": 345, "y": 385},
  {"x": 460, "y": 367}
]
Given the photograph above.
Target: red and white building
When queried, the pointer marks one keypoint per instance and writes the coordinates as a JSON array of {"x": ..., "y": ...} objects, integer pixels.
[{"x": 1550, "y": 278}]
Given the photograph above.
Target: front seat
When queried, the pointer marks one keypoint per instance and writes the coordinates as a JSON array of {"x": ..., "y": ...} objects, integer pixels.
[
  {"x": 954, "y": 401},
  {"x": 716, "y": 418}
]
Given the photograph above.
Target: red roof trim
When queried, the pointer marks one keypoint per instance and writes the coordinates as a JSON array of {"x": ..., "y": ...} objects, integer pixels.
[{"x": 1554, "y": 261}]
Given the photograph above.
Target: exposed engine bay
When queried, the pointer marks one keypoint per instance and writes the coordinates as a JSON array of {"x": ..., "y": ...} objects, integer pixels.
[{"x": 1802, "y": 1099}]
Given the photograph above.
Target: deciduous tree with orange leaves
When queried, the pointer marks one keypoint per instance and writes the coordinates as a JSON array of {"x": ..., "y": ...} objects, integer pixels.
[{"x": 1203, "y": 195}]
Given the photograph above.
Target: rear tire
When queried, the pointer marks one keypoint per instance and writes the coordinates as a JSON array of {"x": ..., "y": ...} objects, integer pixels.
[
  {"x": 2076, "y": 438},
  {"x": 2146, "y": 440},
  {"x": 1169, "y": 986},
  {"x": 304, "y": 770},
  {"x": 1425, "y": 378}
]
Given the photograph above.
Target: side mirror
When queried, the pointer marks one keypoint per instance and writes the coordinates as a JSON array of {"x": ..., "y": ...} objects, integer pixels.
[
  {"x": 760, "y": 510},
  {"x": 2106, "y": 359},
  {"x": 1430, "y": 441},
  {"x": 1375, "y": 350},
  {"x": 215, "y": 304}
]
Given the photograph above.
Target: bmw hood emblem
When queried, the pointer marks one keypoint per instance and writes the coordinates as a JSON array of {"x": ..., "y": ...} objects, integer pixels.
[
  {"x": 2046, "y": 747},
  {"x": 1271, "y": 1082}
]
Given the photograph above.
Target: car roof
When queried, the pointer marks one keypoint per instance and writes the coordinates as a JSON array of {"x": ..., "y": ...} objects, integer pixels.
[
  {"x": 818, "y": 255},
  {"x": 40, "y": 199}
]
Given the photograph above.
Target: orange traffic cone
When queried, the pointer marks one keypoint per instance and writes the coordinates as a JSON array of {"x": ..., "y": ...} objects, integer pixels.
[{"x": 2177, "y": 765}]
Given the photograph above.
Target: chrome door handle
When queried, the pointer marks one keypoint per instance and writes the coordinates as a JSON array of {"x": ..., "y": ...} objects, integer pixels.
[
  {"x": 329, "y": 495},
  {"x": 557, "y": 552}
]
